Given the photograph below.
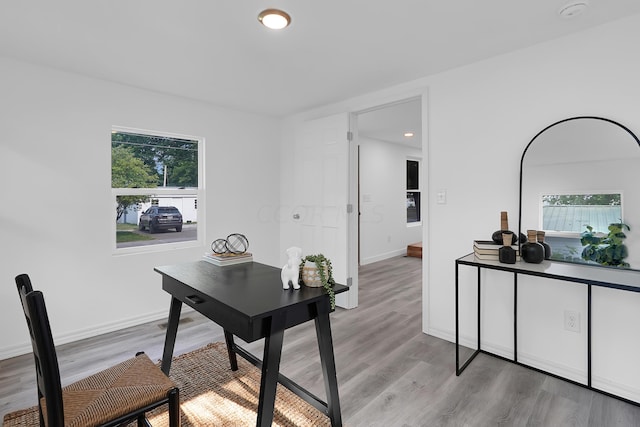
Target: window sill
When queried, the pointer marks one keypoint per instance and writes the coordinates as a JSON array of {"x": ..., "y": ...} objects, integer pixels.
[{"x": 155, "y": 248}]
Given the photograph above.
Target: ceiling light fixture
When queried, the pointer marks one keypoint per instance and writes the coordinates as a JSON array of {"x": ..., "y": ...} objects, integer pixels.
[
  {"x": 408, "y": 134},
  {"x": 275, "y": 19},
  {"x": 573, "y": 9}
]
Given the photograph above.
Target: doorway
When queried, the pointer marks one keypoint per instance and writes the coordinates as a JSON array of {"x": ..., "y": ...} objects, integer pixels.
[
  {"x": 389, "y": 188},
  {"x": 378, "y": 183}
]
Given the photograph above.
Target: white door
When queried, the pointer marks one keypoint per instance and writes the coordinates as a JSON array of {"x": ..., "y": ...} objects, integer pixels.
[{"x": 321, "y": 194}]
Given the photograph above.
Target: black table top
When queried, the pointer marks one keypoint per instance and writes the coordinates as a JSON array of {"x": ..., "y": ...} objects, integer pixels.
[
  {"x": 609, "y": 277},
  {"x": 251, "y": 288}
]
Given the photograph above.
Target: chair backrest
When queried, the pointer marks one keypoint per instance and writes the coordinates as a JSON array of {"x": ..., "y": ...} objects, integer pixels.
[{"x": 44, "y": 352}]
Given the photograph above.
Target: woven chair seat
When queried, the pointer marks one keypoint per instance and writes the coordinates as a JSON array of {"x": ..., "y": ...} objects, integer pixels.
[{"x": 114, "y": 392}]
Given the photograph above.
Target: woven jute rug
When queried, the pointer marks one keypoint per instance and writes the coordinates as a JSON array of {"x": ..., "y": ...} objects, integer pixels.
[{"x": 211, "y": 394}]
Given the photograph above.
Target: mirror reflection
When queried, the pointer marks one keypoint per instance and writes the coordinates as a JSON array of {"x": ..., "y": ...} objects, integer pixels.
[{"x": 578, "y": 177}]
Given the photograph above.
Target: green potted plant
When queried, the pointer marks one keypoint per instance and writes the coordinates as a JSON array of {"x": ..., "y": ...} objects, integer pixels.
[
  {"x": 315, "y": 271},
  {"x": 608, "y": 250}
]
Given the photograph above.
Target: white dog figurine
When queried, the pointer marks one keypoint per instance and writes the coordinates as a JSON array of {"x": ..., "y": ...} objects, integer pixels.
[{"x": 291, "y": 271}]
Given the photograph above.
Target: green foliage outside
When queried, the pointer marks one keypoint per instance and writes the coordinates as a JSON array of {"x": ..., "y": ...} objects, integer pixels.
[
  {"x": 130, "y": 236},
  {"x": 582, "y": 199},
  {"x": 148, "y": 161},
  {"x": 609, "y": 250},
  {"x": 127, "y": 233},
  {"x": 128, "y": 171},
  {"x": 178, "y": 157}
]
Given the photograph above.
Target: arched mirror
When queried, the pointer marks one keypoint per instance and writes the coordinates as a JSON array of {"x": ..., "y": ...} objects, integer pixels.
[{"x": 579, "y": 175}]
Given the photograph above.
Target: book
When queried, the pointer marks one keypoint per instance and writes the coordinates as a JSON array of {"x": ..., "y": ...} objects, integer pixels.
[
  {"x": 491, "y": 257},
  {"x": 227, "y": 258},
  {"x": 489, "y": 247}
]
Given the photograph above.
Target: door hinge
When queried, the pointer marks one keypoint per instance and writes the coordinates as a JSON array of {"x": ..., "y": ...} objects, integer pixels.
[
  {"x": 349, "y": 136},
  {"x": 349, "y": 208}
]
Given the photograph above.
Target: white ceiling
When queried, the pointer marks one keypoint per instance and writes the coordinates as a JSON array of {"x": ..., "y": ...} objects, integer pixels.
[
  {"x": 390, "y": 123},
  {"x": 216, "y": 51}
]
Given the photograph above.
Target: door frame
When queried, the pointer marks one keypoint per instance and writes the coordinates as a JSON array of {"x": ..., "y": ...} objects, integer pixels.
[{"x": 353, "y": 225}]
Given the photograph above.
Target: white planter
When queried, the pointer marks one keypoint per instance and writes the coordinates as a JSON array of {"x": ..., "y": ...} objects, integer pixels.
[{"x": 310, "y": 275}]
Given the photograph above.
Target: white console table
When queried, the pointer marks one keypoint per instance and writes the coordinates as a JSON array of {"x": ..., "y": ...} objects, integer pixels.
[{"x": 614, "y": 278}]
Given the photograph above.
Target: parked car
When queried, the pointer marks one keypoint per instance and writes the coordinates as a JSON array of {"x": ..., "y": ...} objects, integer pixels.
[{"x": 161, "y": 218}]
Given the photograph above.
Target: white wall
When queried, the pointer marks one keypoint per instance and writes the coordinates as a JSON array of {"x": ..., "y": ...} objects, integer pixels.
[
  {"x": 481, "y": 118},
  {"x": 383, "y": 219},
  {"x": 55, "y": 156},
  {"x": 503, "y": 103},
  {"x": 477, "y": 121}
]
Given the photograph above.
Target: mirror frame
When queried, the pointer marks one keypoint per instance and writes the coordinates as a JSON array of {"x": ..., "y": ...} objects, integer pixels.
[{"x": 524, "y": 153}]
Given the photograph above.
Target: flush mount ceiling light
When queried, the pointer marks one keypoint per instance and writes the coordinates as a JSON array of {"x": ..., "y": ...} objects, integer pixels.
[
  {"x": 408, "y": 134},
  {"x": 573, "y": 9},
  {"x": 274, "y": 18}
]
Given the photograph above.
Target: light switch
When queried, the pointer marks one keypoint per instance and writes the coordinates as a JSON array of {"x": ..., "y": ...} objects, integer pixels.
[{"x": 441, "y": 197}]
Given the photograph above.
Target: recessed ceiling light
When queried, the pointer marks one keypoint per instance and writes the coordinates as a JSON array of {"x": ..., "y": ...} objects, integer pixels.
[
  {"x": 573, "y": 9},
  {"x": 274, "y": 18},
  {"x": 408, "y": 134}
]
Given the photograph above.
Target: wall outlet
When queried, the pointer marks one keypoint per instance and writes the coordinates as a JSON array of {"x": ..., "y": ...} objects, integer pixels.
[{"x": 572, "y": 321}]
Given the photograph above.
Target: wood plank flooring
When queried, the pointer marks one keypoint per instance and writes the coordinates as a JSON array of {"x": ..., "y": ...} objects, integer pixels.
[{"x": 389, "y": 372}]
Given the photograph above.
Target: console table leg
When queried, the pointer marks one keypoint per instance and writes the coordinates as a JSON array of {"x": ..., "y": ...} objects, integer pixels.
[
  {"x": 327, "y": 360},
  {"x": 233, "y": 359},
  {"x": 270, "y": 370},
  {"x": 170, "y": 338}
]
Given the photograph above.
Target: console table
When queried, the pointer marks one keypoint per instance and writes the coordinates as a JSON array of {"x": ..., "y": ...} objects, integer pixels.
[
  {"x": 620, "y": 279},
  {"x": 248, "y": 301}
]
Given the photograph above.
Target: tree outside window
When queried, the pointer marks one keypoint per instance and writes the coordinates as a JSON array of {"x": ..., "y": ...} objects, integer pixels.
[{"x": 153, "y": 169}]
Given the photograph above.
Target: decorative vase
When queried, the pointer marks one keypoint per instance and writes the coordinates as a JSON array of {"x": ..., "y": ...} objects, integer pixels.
[
  {"x": 506, "y": 254},
  {"x": 311, "y": 275},
  {"x": 547, "y": 248},
  {"x": 532, "y": 251},
  {"x": 504, "y": 229}
]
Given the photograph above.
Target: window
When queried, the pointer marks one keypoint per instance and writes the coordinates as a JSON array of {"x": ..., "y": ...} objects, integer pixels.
[
  {"x": 413, "y": 191},
  {"x": 566, "y": 216},
  {"x": 155, "y": 180}
]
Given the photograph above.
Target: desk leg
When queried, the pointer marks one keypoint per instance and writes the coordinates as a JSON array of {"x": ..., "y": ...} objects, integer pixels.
[
  {"x": 233, "y": 359},
  {"x": 325, "y": 345},
  {"x": 270, "y": 370},
  {"x": 172, "y": 330}
]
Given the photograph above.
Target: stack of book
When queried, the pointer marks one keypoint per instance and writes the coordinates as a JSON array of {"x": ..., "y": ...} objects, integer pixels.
[
  {"x": 488, "y": 250},
  {"x": 227, "y": 258}
]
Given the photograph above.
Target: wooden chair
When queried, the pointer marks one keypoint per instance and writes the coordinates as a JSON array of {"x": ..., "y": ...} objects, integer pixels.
[{"x": 122, "y": 393}]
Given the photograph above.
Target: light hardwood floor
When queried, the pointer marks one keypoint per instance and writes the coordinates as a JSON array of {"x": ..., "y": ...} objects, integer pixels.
[{"x": 389, "y": 372}]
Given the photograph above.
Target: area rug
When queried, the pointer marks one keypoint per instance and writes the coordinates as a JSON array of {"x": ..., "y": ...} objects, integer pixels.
[{"x": 211, "y": 394}]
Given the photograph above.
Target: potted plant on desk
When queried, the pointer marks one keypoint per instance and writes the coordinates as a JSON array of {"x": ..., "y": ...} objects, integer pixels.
[{"x": 316, "y": 270}]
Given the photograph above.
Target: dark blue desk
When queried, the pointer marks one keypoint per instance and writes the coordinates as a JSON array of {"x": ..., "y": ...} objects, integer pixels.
[{"x": 248, "y": 301}]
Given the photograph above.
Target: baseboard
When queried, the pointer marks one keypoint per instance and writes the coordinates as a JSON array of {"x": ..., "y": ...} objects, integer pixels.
[
  {"x": 441, "y": 333},
  {"x": 618, "y": 389},
  {"x": 25, "y": 348},
  {"x": 571, "y": 373},
  {"x": 565, "y": 371},
  {"x": 382, "y": 257}
]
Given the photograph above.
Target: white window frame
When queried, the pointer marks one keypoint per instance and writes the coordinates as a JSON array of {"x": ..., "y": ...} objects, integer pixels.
[
  {"x": 199, "y": 193},
  {"x": 419, "y": 161}
]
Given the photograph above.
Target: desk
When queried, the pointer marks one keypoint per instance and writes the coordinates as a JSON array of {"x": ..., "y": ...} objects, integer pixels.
[
  {"x": 588, "y": 275},
  {"x": 248, "y": 301}
]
